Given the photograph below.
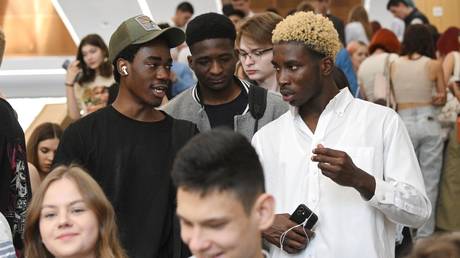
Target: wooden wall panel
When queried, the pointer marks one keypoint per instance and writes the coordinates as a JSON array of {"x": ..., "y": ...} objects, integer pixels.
[
  {"x": 450, "y": 12},
  {"x": 33, "y": 28}
]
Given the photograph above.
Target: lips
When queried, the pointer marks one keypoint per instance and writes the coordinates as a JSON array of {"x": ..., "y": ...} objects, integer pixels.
[
  {"x": 287, "y": 94},
  {"x": 251, "y": 72},
  {"x": 159, "y": 90},
  {"x": 67, "y": 236}
]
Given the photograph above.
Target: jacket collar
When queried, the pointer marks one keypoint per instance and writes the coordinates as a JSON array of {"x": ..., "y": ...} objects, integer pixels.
[{"x": 245, "y": 85}]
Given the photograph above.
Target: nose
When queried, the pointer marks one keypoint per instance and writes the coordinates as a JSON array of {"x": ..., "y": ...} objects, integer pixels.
[
  {"x": 216, "y": 68},
  {"x": 163, "y": 73},
  {"x": 282, "y": 77},
  {"x": 50, "y": 155},
  {"x": 63, "y": 219},
  {"x": 197, "y": 242},
  {"x": 248, "y": 60}
]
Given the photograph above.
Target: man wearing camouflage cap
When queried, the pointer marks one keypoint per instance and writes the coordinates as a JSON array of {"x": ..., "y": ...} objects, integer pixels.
[{"x": 128, "y": 146}]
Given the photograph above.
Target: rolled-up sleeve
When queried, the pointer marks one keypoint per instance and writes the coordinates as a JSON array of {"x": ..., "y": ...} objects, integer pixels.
[{"x": 401, "y": 195}]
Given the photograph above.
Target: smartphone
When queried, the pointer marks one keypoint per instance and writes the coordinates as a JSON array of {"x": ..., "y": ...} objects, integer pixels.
[
  {"x": 301, "y": 214},
  {"x": 66, "y": 64}
]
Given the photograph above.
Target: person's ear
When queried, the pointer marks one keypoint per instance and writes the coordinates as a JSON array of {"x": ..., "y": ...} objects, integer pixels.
[
  {"x": 264, "y": 209},
  {"x": 326, "y": 66},
  {"x": 190, "y": 62},
  {"x": 122, "y": 67}
]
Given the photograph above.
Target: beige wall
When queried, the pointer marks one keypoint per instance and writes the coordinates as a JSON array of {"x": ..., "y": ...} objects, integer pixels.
[{"x": 451, "y": 12}]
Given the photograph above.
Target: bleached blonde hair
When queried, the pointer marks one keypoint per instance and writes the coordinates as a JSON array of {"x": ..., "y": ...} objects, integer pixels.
[{"x": 314, "y": 30}]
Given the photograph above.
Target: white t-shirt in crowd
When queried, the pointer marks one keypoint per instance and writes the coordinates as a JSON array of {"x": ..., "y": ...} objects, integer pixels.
[
  {"x": 369, "y": 68},
  {"x": 354, "y": 31},
  {"x": 377, "y": 141},
  {"x": 6, "y": 240}
]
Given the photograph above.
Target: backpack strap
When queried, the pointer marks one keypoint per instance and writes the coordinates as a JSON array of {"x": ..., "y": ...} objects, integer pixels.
[{"x": 257, "y": 98}]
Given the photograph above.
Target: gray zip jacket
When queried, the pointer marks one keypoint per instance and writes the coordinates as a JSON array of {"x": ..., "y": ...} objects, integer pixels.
[{"x": 187, "y": 106}]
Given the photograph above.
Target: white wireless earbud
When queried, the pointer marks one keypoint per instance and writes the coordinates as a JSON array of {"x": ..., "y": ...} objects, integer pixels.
[{"x": 124, "y": 69}]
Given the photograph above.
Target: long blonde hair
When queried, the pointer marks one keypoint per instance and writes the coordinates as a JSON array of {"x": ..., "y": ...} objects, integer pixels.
[
  {"x": 359, "y": 14},
  {"x": 108, "y": 244}
]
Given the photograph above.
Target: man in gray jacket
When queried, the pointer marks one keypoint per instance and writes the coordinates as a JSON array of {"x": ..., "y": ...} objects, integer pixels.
[{"x": 220, "y": 99}]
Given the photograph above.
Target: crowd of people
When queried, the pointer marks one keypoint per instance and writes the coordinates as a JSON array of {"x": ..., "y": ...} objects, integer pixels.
[{"x": 245, "y": 135}]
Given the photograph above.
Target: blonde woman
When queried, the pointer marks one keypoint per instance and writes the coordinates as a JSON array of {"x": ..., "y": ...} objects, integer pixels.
[{"x": 70, "y": 216}]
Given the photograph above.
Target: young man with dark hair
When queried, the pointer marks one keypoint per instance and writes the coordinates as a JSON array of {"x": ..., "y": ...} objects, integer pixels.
[
  {"x": 220, "y": 98},
  {"x": 184, "y": 12},
  {"x": 221, "y": 201},
  {"x": 129, "y": 146},
  {"x": 350, "y": 161},
  {"x": 406, "y": 12}
]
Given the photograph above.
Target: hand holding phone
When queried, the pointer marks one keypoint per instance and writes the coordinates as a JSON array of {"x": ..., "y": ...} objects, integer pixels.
[{"x": 303, "y": 213}]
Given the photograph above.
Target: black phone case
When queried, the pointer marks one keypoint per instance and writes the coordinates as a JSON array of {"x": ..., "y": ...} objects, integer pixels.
[{"x": 301, "y": 214}]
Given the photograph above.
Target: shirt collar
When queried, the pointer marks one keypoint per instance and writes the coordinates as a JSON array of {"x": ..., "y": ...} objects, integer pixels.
[{"x": 338, "y": 104}]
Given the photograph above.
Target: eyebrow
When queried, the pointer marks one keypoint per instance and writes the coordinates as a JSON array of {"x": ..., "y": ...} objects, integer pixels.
[
  {"x": 156, "y": 58},
  {"x": 207, "y": 221},
  {"x": 70, "y": 204}
]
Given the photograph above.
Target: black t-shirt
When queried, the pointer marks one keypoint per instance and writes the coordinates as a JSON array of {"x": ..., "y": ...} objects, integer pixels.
[
  {"x": 131, "y": 161},
  {"x": 223, "y": 115},
  {"x": 416, "y": 14},
  {"x": 15, "y": 190}
]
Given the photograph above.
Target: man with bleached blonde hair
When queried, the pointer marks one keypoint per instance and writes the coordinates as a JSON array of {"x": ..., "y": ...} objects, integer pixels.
[{"x": 350, "y": 161}]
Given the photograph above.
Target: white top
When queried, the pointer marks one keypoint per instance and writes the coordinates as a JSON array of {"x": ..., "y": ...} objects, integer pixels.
[
  {"x": 398, "y": 27},
  {"x": 354, "y": 31},
  {"x": 377, "y": 141},
  {"x": 6, "y": 241},
  {"x": 369, "y": 68}
]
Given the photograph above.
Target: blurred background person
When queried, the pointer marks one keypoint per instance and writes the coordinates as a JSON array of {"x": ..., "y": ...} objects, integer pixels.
[
  {"x": 243, "y": 5},
  {"x": 416, "y": 74},
  {"x": 375, "y": 27},
  {"x": 448, "y": 210},
  {"x": 407, "y": 12},
  {"x": 358, "y": 53},
  {"x": 235, "y": 15},
  {"x": 305, "y": 6},
  {"x": 254, "y": 44},
  {"x": 384, "y": 44},
  {"x": 41, "y": 148},
  {"x": 91, "y": 69},
  {"x": 181, "y": 76},
  {"x": 438, "y": 246},
  {"x": 184, "y": 12},
  {"x": 70, "y": 216},
  {"x": 358, "y": 27}
]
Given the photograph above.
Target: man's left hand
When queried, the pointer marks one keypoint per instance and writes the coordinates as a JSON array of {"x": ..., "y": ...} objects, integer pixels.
[{"x": 339, "y": 167}]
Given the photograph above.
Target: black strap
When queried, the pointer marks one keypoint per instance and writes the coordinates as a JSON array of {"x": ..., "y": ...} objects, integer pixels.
[{"x": 257, "y": 99}]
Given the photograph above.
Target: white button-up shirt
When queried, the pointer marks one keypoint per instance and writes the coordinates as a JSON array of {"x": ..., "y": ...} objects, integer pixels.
[{"x": 377, "y": 141}]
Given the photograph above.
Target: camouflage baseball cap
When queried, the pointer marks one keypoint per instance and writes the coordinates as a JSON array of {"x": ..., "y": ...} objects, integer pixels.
[{"x": 141, "y": 29}]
